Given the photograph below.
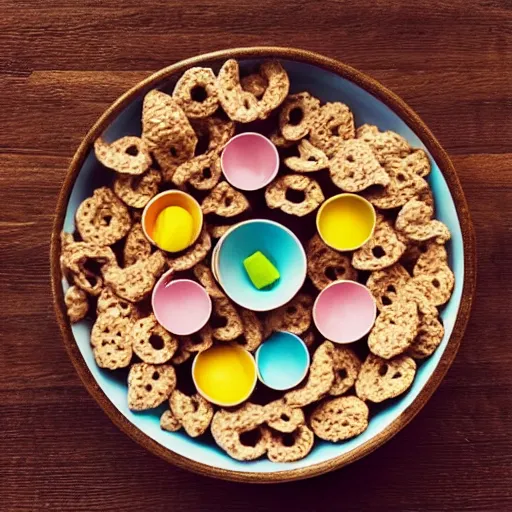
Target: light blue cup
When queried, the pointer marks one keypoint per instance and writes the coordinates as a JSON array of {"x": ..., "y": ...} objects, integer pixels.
[
  {"x": 282, "y": 361},
  {"x": 203, "y": 455},
  {"x": 279, "y": 245}
]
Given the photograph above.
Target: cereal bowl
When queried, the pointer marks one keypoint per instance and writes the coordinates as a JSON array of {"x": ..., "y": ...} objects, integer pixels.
[
  {"x": 370, "y": 102},
  {"x": 279, "y": 245}
]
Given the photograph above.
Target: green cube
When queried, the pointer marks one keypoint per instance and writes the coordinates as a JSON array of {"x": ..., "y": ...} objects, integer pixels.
[{"x": 260, "y": 270}]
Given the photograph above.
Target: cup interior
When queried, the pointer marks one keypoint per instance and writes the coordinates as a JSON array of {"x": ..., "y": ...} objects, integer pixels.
[
  {"x": 181, "y": 306},
  {"x": 279, "y": 245},
  {"x": 345, "y": 222},
  {"x": 282, "y": 361},
  {"x": 344, "y": 311},
  {"x": 166, "y": 199},
  {"x": 250, "y": 161}
]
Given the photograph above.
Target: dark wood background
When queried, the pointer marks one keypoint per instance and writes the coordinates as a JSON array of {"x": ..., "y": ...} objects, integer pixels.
[{"x": 62, "y": 62}]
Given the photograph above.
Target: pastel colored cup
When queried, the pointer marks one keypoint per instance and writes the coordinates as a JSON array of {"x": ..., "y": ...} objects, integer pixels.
[
  {"x": 225, "y": 374},
  {"x": 181, "y": 306},
  {"x": 164, "y": 200},
  {"x": 279, "y": 245},
  {"x": 344, "y": 311},
  {"x": 249, "y": 161},
  {"x": 345, "y": 222},
  {"x": 282, "y": 361}
]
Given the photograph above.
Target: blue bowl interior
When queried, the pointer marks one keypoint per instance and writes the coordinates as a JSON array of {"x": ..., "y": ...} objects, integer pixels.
[
  {"x": 367, "y": 109},
  {"x": 282, "y": 249}
]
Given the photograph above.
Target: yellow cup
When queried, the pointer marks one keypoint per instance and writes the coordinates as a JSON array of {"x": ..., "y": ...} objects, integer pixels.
[
  {"x": 164, "y": 200},
  {"x": 345, "y": 222}
]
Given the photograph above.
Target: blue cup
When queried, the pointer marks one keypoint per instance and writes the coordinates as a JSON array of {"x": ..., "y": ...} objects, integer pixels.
[{"x": 279, "y": 245}]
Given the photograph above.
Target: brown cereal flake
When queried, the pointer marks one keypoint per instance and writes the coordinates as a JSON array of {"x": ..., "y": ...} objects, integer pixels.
[
  {"x": 276, "y": 90},
  {"x": 294, "y": 316},
  {"x": 102, "y": 219},
  {"x": 395, "y": 329},
  {"x": 169, "y": 422},
  {"x": 150, "y": 385},
  {"x": 255, "y": 84},
  {"x": 283, "y": 418},
  {"x": 338, "y": 419},
  {"x": 386, "y": 145},
  {"x": 225, "y": 201},
  {"x": 224, "y": 309},
  {"x": 346, "y": 366},
  {"x": 128, "y": 155},
  {"x": 297, "y": 115},
  {"x": 325, "y": 265},
  {"x": 136, "y": 191},
  {"x": 382, "y": 250},
  {"x": 381, "y": 379},
  {"x": 194, "y": 412},
  {"x": 196, "y": 92},
  {"x": 205, "y": 276},
  {"x": 193, "y": 255},
  {"x": 354, "y": 167},
  {"x": 76, "y": 303},
  {"x": 387, "y": 284},
  {"x": 276, "y": 194},
  {"x": 311, "y": 159},
  {"x": 109, "y": 302},
  {"x": 198, "y": 341},
  {"x": 151, "y": 342},
  {"x": 137, "y": 246},
  {"x": 203, "y": 172},
  {"x": 291, "y": 446},
  {"x": 252, "y": 330}
]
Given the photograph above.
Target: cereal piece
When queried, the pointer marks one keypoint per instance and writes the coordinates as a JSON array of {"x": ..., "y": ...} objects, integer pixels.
[
  {"x": 102, "y": 219},
  {"x": 151, "y": 342},
  {"x": 386, "y": 284},
  {"x": 276, "y": 194},
  {"x": 276, "y": 90},
  {"x": 109, "y": 302},
  {"x": 228, "y": 426},
  {"x": 297, "y": 115},
  {"x": 66, "y": 239},
  {"x": 198, "y": 341},
  {"x": 76, "y": 303},
  {"x": 205, "y": 276},
  {"x": 282, "y": 417},
  {"x": 193, "y": 412},
  {"x": 217, "y": 232},
  {"x": 279, "y": 141},
  {"x": 239, "y": 105},
  {"x": 167, "y": 132},
  {"x": 193, "y": 255},
  {"x": 82, "y": 262},
  {"x": 169, "y": 422},
  {"x": 354, "y": 167},
  {"x": 395, "y": 329},
  {"x": 217, "y": 129},
  {"x": 333, "y": 124},
  {"x": 290, "y": 447},
  {"x": 418, "y": 163},
  {"x": 325, "y": 265},
  {"x": 386, "y": 145},
  {"x": 346, "y": 369},
  {"x": 415, "y": 222},
  {"x": 425, "y": 196},
  {"x": 380, "y": 379},
  {"x": 111, "y": 342},
  {"x": 181, "y": 356},
  {"x": 135, "y": 282},
  {"x": 196, "y": 92},
  {"x": 136, "y": 191},
  {"x": 252, "y": 330},
  {"x": 223, "y": 309},
  {"x": 311, "y": 159},
  {"x": 137, "y": 246},
  {"x": 381, "y": 251},
  {"x": 404, "y": 185},
  {"x": 225, "y": 201},
  {"x": 319, "y": 380},
  {"x": 255, "y": 84},
  {"x": 432, "y": 256},
  {"x": 341, "y": 418},
  {"x": 294, "y": 317},
  {"x": 436, "y": 288},
  {"x": 128, "y": 155},
  {"x": 150, "y": 385},
  {"x": 203, "y": 172}
]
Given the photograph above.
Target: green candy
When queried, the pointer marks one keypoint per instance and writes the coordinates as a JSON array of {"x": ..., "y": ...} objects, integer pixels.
[{"x": 260, "y": 270}]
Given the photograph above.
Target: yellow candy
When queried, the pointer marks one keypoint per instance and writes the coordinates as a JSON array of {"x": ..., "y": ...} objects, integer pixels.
[{"x": 174, "y": 229}]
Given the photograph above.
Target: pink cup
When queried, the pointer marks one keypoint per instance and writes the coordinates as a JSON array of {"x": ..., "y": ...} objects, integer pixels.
[
  {"x": 344, "y": 311},
  {"x": 181, "y": 306},
  {"x": 250, "y": 161}
]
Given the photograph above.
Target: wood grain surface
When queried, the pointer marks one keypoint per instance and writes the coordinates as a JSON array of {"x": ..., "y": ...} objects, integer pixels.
[{"x": 62, "y": 62}]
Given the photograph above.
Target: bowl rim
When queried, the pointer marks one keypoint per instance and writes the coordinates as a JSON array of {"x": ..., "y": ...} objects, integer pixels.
[{"x": 410, "y": 118}]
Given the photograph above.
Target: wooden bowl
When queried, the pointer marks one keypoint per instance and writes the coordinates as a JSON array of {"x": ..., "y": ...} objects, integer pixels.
[{"x": 371, "y": 102}]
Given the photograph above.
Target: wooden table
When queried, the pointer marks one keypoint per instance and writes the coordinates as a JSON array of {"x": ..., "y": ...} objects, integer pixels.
[{"x": 62, "y": 62}]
